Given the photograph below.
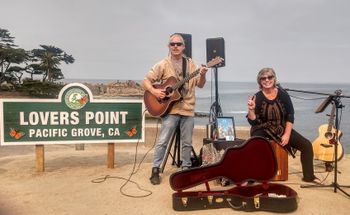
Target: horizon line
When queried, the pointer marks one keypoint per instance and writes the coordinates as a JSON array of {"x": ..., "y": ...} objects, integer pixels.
[{"x": 291, "y": 82}]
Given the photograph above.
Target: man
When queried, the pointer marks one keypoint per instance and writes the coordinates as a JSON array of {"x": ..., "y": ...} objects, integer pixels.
[{"x": 182, "y": 112}]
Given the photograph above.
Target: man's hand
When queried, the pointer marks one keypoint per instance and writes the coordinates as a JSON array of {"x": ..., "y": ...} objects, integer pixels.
[
  {"x": 159, "y": 93},
  {"x": 203, "y": 70}
]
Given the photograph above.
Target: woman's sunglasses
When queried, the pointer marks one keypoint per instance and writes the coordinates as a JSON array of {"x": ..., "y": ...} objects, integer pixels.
[{"x": 270, "y": 77}]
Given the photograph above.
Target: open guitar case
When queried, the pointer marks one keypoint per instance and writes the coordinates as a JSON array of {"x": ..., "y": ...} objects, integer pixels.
[{"x": 253, "y": 160}]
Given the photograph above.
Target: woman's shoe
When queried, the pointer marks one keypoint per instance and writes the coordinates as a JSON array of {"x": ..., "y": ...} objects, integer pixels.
[{"x": 314, "y": 181}]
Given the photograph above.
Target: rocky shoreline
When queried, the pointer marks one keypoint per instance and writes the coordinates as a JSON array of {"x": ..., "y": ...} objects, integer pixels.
[
  {"x": 117, "y": 89},
  {"x": 114, "y": 89}
]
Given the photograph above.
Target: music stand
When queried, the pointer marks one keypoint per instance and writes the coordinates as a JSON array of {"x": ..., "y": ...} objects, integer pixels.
[{"x": 335, "y": 100}]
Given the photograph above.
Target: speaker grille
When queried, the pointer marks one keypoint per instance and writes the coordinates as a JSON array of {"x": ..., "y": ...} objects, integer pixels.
[{"x": 215, "y": 48}]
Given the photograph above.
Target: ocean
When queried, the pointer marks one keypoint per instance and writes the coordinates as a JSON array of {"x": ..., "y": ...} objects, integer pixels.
[{"x": 232, "y": 97}]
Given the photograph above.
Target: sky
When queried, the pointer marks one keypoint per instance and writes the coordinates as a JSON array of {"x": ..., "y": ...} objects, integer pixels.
[{"x": 304, "y": 41}]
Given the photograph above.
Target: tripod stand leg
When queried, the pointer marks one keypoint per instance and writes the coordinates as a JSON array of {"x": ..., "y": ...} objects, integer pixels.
[
  {"x": 177, "y": 151},
  {"x": 176, "y": 138},
  {"x": 177, "y": 148},
  {"x": 338, "y": 187},
  {"x": 167, "y": 152},
  {"x": 333, "y": 185}
]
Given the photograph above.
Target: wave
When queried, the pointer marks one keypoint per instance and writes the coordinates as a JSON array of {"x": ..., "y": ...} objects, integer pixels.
[
  {"x": 225, "y": 113},
  {"x": 238, "y": 112}
]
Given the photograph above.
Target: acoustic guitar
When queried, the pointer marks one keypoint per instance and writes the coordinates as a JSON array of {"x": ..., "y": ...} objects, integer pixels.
[
  {"x": 324, "y": 144},
  {"x": 160, "y": 107}
]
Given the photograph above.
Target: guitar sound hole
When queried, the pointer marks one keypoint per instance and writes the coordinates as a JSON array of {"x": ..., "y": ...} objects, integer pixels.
[
  {"x": 168, "y": 90},
  {"x": 328, "y": 135}
]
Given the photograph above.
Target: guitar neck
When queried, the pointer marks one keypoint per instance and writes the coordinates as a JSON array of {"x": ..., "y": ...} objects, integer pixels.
[
  {"x": 331, "y": 119},
  {"x": 211, "y": 63},
  {"x": 189, "y": 77}
]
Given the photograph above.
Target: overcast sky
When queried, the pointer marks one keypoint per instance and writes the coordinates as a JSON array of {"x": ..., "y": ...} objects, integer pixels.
[{"x": 303, "y": 40}]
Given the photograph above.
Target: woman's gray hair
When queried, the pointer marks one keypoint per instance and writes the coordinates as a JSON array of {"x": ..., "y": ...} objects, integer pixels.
[{"x": 262, "y": 72}]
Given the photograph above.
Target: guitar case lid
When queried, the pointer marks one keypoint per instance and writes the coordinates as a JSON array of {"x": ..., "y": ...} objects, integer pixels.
[{"x": 252, "y": 160}]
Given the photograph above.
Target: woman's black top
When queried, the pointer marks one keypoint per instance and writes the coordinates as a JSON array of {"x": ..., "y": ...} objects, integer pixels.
[{"x": 272, "y": 115}]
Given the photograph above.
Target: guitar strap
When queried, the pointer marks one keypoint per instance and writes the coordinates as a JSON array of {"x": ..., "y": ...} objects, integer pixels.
[
  {"x": 184, "y": 72},
  {"x": 184, "y": 67}
]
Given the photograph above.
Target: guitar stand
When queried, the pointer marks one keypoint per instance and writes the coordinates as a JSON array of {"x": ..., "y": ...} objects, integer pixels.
[
  {"x": 176, "y": 150},
  {"x": 335, "y": 99}
]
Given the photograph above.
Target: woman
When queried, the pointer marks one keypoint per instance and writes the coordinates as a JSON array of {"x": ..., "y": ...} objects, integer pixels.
[{"x": 271, "y": 115}]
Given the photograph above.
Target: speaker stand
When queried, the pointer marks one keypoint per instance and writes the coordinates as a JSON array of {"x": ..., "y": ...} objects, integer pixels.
[{"x": 215, "y": 109}]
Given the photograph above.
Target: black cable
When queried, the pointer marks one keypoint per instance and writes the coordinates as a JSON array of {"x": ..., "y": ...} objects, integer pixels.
[
  {"x": 103, "y": 179},
  {"x": 133, "y": 172},
  {"x": 302, "y": 98},
  {"x": 318, "y": 98}
]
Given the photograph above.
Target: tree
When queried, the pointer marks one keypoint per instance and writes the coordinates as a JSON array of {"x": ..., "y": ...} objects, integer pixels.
[
  {"x": 15, "y": 61},
  {"x": 5, "y": 38},
  {"x": 48, "y": 59},
  {"x": 11, "y": 59}
]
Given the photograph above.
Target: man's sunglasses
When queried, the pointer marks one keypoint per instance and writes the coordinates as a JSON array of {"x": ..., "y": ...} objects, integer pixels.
[
  {"x": 173, "y": 44},
  {"x": 270, "y": 77}
]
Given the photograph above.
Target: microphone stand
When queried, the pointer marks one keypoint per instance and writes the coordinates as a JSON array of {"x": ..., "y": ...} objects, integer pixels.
[{"x": 335, "y": 99}]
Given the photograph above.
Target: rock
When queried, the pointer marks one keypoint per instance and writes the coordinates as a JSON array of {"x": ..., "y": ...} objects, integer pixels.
[{"x": 117, "y": 88}]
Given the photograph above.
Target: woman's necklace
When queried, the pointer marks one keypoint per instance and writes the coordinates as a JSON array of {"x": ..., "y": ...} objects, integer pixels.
[{"x": 270, "y": 94}]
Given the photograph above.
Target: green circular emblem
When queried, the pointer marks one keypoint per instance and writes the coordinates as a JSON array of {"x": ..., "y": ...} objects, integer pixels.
[{"x": 76, "y": 98}]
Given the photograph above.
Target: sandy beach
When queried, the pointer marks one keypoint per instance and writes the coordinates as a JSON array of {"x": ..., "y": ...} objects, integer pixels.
[{"x": 67, "y": 185}]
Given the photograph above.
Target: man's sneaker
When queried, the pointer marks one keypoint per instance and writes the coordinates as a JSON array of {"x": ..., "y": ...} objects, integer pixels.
[{"x": 155, "y": 178}]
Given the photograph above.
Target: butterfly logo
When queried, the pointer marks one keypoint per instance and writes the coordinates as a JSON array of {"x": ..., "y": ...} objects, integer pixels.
[
  {"x": 16, "y": 134},
  {"x": 83, "y": 100},
  {"x": 131, "y": 132}
]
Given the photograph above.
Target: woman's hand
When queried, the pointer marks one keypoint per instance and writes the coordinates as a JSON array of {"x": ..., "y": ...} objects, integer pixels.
[
  {"x": 287, "y": 131},
  {"x": 251, "y": 108},
  {"x": 251, "y": 103},
  {"x": 285, "y": 139}
]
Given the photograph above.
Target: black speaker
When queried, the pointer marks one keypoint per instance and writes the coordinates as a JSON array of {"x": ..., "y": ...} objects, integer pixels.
[
  {"x": 216, "y": 47},
  {"x": 188, "y": 44}
]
